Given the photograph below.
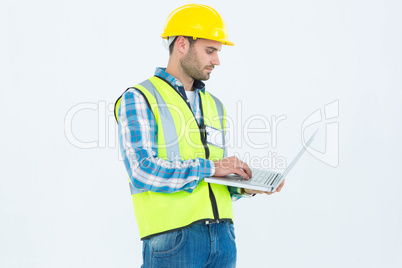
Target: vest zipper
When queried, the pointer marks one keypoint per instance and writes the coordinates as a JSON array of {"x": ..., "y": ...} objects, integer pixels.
[
  {"x": 203, "y": 134},
  {"x": 211, "y": 193},
  {"x": 203, "y": 130},
  {"x": 213, "y": 203}
]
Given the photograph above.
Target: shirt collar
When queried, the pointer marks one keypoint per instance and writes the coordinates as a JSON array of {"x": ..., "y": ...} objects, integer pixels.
[{"x": 161, "y": 72}]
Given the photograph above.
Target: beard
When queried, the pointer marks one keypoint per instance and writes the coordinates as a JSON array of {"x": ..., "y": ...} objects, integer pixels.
[{"x": 192, "y": 66}]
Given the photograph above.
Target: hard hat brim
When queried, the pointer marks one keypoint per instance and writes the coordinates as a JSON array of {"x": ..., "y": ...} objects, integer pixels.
[{"x": 224, "y": 42}]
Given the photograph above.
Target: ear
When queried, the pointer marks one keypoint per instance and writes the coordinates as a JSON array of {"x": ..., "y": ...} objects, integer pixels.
[{"x": 182, "y": 45}]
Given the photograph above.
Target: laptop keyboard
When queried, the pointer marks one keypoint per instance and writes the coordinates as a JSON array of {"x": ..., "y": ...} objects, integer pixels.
[{"x": 263, "y": 177}]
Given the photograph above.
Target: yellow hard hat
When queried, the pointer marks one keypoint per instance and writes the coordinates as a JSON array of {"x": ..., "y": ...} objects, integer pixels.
[{"x": 198, "y": 21}]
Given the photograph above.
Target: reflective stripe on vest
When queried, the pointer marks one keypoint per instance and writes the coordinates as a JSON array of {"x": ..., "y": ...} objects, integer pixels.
[{"x": 179, "y": 138}]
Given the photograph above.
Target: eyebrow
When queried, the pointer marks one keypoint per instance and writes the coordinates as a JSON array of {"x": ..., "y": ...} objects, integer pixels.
[{"x": 213, "y": 48}]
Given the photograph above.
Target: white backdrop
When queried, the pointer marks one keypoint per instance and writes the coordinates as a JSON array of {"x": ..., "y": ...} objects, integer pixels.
[{"x": 65, "y": 206}]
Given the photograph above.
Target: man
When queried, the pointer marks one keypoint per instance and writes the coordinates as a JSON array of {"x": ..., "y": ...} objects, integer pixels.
[{"x": 165, "y": 128}]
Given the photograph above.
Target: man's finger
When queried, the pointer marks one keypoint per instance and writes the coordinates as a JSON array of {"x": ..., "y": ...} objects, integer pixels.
[
  {"x": 280, "y": 186},
  {"x": 246, "y": 168},
  {"x": 240, "y": 172},
  {"x": 248, "y": 171}
]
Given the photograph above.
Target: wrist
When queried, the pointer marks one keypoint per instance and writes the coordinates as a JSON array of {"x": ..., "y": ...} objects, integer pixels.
[
  {"x": 244, "y": 192},
  {"x": 212, "y": 167}
]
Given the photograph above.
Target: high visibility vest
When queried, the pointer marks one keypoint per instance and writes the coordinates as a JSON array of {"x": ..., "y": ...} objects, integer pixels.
[{"x": 180, "y": 137}]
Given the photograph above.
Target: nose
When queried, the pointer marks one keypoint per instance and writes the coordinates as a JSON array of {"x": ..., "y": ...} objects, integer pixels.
[{"x": 215, "y": 60}]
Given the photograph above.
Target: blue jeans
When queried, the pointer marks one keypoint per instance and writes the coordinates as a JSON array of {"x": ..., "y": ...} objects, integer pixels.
[{"x": 199, "y": 245}]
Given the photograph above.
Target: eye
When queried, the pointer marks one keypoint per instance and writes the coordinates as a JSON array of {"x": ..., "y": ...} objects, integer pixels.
[{"x": 209, "y": 51}]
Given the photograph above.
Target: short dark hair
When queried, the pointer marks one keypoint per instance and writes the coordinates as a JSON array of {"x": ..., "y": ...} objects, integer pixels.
[{"x": 190, "y": 39}]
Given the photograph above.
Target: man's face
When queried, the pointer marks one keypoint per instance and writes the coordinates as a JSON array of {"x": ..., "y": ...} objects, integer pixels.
[{"x": 201, "y": 59}]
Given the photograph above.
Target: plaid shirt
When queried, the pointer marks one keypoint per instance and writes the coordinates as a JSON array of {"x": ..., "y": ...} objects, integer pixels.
[{"x": 138, "y": 144}]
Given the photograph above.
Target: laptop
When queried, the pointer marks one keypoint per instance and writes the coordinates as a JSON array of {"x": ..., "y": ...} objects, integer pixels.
[{"x": 262, "y": 180}]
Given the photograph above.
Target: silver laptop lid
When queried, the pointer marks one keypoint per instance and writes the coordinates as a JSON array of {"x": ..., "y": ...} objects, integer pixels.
[{"x": 291, "y": 165}]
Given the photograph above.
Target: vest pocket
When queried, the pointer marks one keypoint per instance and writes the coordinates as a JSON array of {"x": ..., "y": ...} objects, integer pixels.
[{"x": 168, "y": 244}]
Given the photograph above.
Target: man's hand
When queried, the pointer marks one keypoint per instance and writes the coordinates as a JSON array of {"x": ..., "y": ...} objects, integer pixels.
[
  {"x": 232, "y": 165},
  {"x": 249, "y": 191}
]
